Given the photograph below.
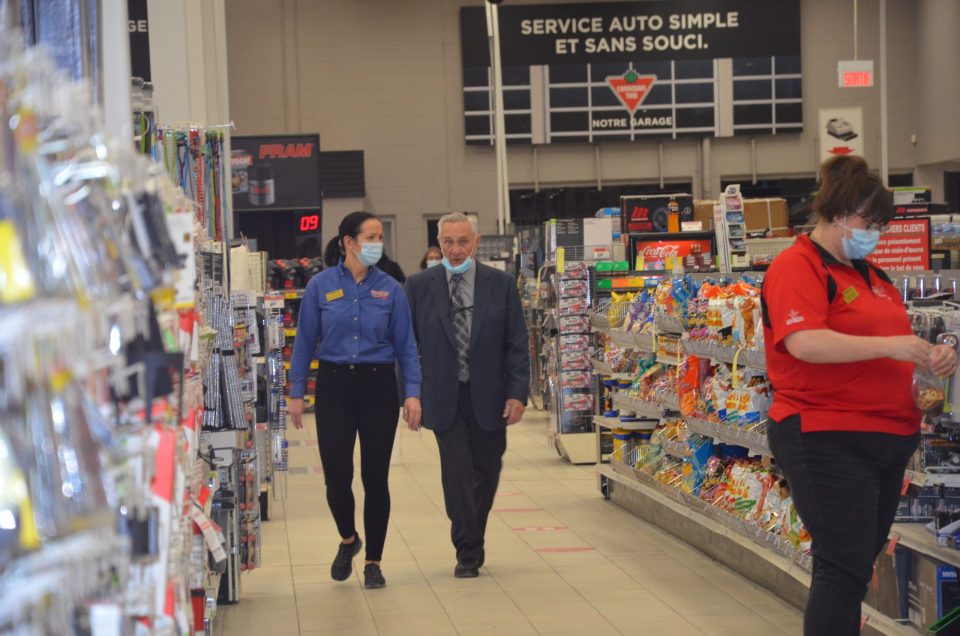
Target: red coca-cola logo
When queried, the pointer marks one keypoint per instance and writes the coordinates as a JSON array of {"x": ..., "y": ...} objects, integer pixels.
[{"x": 660, "y": 252}]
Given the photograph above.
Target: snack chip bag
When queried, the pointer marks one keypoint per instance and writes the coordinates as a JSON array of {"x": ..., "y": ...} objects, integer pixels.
[{"x": 928, "y": 391}]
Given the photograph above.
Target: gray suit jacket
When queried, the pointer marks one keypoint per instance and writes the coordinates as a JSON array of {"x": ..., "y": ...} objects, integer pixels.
[{"x": 499, "y": 347}]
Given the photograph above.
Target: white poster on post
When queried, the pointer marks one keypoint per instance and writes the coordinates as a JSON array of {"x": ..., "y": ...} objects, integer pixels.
[{"x": 841, "y": 132}]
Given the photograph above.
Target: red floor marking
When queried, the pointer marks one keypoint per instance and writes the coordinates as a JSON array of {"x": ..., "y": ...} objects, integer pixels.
[
  {"x": 519, "y": 510},
  {"x": 562, "y": 550},
  {"x": 540, "y": 529}
]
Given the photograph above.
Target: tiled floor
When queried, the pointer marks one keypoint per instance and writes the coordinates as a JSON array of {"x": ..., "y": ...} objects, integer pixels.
[{"x": 560, "y": 560}]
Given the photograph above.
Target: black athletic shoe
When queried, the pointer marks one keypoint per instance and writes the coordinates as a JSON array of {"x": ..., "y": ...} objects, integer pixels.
[
  {"x": 342, "y": 566},
  {"x": 466, "y": 570},
  {"x": 483, "y": 558},
  {"x": 373, "y": 577}
]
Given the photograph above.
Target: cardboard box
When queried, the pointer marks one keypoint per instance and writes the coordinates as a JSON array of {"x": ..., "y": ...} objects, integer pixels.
[{"x": 759, "y": 214}]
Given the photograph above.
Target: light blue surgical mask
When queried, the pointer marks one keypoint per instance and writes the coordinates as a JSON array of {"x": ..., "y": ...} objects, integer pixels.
[
  {"x": 458, "y": 269},
  {"x": 861, "y": 243},
  {"x": 370, "y": 253}
]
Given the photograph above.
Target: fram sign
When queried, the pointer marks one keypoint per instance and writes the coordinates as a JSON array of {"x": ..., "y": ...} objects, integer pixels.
[{"x": 285, "y": 151}]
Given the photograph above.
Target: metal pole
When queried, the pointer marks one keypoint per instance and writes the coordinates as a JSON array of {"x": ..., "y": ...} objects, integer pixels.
[
  {"x": 884, "y": 150},
  {"x": 855, "y": 25},
  {"x": 660, "y": 162},
  {"x": 596, "y": 164},
  {"x": 499, "y": 132}
]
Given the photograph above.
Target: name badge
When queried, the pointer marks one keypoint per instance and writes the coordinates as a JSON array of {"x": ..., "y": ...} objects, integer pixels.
[
  {"x": 850, "y": 294},
  {"x": 334, "y": 295},
  {"x": 379, "y": 294}
]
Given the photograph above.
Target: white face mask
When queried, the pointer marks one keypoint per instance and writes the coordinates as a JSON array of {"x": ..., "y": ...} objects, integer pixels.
[{"x": 433, "y": 262}]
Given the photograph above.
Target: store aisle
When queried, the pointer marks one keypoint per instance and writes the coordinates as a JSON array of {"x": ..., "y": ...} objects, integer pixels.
[{"x": 560, "y": 560}]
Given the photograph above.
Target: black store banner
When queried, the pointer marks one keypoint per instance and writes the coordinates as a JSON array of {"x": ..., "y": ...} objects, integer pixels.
[
  {"x": 626, "y": 70},
  {"x": 139, "y": 27},
  {"x": 276, "y": 172}
]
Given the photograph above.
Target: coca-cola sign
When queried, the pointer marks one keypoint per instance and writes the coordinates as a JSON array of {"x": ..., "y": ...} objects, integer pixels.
[{"x": 661, "y": 250}]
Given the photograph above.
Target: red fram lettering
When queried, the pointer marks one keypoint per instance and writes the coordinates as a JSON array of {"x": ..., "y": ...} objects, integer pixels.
[{"x": 289, "y": 151}]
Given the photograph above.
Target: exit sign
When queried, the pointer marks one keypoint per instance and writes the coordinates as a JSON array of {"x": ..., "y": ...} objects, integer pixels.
[{"x": 855, "y": 73}]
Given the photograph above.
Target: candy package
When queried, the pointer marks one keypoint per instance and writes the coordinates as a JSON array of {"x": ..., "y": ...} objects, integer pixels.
[
  {"x": 572, "y": 306},
  {"x": 574, "y": 343},
  {"x": 576, "y": 379},
  {"x": 572, "y": 288},
  {"x": 928, "y": 391},
  {"x": 578, "y": 402},
  {"x": 574, "y": 324},
  {"x": 576, "y": 361},
  {"x": 575, "y": 270}
]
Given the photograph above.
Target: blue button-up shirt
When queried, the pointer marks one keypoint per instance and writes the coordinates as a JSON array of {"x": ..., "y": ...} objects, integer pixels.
[{"x": 345, "y": 322}]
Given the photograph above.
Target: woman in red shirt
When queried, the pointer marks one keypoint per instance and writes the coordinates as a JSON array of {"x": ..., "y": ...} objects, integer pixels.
[{"x": 841, "y": 355}]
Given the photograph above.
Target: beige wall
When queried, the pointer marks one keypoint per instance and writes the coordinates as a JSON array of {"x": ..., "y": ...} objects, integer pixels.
[{"x": 383, "y": 76}]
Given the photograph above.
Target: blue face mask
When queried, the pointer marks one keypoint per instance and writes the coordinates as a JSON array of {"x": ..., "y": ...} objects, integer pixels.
[
  {"x": 370, "y": 253},
  {"x": 860, "y": 244},
  {"x": 458, "y": 269}
]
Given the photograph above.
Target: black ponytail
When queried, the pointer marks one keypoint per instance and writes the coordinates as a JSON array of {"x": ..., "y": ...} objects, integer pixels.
[{"x": 349, "y": 226}]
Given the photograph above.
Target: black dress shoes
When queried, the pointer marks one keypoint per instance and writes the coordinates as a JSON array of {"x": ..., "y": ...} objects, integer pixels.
[{"x": 467, "y": 570}]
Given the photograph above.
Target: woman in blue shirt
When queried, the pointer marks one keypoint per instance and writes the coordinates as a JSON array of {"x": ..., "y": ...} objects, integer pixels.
[{"x": 356, "y": 321}]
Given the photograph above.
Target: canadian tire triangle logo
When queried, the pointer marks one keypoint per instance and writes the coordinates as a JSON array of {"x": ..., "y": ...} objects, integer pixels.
[{"x": 631, "y": 89}]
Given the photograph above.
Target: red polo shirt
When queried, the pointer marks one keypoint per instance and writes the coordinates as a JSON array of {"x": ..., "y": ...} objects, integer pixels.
[{"x": 859, "y": 396}]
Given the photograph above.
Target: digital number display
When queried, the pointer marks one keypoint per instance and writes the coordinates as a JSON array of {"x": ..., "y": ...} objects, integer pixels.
[{"x": 310, "y": 223}]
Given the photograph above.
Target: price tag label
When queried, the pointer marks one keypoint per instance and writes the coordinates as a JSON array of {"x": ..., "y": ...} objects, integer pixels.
[
  {"x": 920, "y": 479},
  {"x": 906, "y": 485},
  {"x": 892, "y": 543},
  {"x": 291, "y": 295}
]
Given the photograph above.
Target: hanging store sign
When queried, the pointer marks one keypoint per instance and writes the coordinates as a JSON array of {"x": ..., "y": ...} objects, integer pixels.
[
  {"x": 905, "y": 246},
  {"x": 582, "y": 72},
  {"x": 139, "y": 27},
  {"x": 841, "y": 132},
  {"x": 855, "y": 73},
  {"x": 277, "y": 172}
]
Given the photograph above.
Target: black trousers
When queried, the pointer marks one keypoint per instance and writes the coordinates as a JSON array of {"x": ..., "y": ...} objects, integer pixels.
[
  {"x": 846, "y": 488},
  {"x": 357, "y": 399},
  {"x": 470, "y": 463}
]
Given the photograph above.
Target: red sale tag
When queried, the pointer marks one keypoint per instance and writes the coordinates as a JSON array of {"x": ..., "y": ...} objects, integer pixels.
[
  {"x": 875, "y": 582},
  {"x": 906, "y": 485},
  {"x": 892, "y": 544},
  {"x": 863, "y": 620}
]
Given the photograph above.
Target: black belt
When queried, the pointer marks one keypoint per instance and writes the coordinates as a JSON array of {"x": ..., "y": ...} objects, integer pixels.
[{"x": 347, "y": 368}]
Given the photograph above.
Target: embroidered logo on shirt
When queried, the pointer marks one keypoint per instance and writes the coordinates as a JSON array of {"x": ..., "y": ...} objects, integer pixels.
[
  {"x": 379, "y": 294},
  {"x": 335, "y": 294},
  {"x": 794, "y": 317},
  {"x": 880, "y": 292},
  {"x": 850, "y": 294}
]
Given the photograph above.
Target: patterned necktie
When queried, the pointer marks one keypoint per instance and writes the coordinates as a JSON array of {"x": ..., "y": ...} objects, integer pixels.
[{"x": 461, "y": 328}]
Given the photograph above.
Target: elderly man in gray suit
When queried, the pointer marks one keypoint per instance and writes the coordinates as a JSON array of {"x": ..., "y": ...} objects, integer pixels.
[{"x": 475, "y": 358}]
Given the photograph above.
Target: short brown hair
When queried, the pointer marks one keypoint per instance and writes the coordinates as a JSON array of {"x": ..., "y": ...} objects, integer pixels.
[{"x": 847, "y": 187}]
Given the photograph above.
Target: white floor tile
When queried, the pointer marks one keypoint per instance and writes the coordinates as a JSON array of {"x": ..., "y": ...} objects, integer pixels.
[{"x": 560, "y": 560}]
